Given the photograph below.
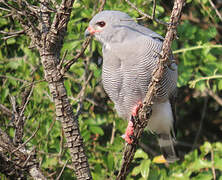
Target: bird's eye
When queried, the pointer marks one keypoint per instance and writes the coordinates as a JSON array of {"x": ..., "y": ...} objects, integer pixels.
[{"x": 101, "y": 23}]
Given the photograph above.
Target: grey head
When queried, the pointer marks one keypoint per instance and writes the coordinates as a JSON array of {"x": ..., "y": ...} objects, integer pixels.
[
  {"x": 105, "y": 25},
  {"x": 110, "y": 26}
]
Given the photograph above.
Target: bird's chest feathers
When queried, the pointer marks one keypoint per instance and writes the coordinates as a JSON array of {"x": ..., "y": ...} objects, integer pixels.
[{"x": 118, "y": 75}]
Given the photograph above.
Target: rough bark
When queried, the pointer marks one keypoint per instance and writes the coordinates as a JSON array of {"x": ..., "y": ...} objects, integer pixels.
[
  {"x": 48, "y": 38},
  {"x": 52, "y": 42},
  {"x": 145, "y": 112},
  {"x": 16, "y": 162}
]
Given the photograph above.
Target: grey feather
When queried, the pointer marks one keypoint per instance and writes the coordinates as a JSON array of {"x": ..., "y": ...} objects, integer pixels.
[{"x": 130, "y": 54}]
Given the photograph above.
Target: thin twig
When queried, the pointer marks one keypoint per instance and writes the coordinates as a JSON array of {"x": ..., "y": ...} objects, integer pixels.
[
  {"x": 6, "y": 110},
  {"x": 60, "y": 174},
  {"x": 4, "y": 9},
  {"x": 62, "y": 60},
  {"x": 22, "y": 145},
  {"x": 145, "y": 112},
  {"x": 84, "y": 46},
  {"x": 146, "y": 15},
  {"x": 201, "y": 122},
  {"x": 103, "y": 2},
  {"x": 216, "y": 10},
  {"x": 11, "y": 34},
  {"x": 68, "y": 166},
  {"x": 29, "y": 157},
  {"x": 197, "y": 47},
  {"x": 81, "y": 97},
  {"x": 194, "y": 82},
  {"x": 73, "y": 60},
  {"x": 26, "y": 102},
  {"x": 11, "y": 77},
  {"x": 215, "y": 96},
  {"x": 113, "y": 132},
  {"x": 154, "y": 9},
  {"x": 212, "y": 167}
]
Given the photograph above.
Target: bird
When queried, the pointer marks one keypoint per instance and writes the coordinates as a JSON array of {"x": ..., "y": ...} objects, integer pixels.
[{"x": 130, "y": 54}]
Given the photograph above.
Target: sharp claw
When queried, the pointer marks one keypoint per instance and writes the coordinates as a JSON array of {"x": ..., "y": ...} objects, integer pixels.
[
  {"x": 136, "y": 108},
  {"x": 123, "y": 136},
  {"x": 128, "y": 136}
]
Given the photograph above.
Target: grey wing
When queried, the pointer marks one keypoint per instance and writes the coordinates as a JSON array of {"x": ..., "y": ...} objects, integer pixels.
[
  {"x": 143, "y": 61},
  {"x": 127, "y": 72},
  {"x": 148, "y": 32}
]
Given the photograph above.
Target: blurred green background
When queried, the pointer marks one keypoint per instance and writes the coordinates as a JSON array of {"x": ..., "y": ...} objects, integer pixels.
[{"x": 198, "y": 51}]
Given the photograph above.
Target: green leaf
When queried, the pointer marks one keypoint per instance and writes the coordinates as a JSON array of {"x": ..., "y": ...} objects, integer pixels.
[
  {"x": 220, "y": 84},
  {"x": 204, "y": 176},
  {"x": 11, "y": 41},
  {"x": 206, "y": 148},
  {"x": 200, "y": 164},
  {"x": 110, "y": 160},
  {"x": 145, "y": 168},
  {"x": 96, "y": 130},
  {"x": 136, "y": 170},
  {"x": 140, "y": 154}
]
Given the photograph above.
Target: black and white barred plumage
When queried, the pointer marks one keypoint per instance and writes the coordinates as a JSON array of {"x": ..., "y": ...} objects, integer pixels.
[{"x": 130, "y": 54}]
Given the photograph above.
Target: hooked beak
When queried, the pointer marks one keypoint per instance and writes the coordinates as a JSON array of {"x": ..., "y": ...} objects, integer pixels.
[{"x": 89, "y": 31}]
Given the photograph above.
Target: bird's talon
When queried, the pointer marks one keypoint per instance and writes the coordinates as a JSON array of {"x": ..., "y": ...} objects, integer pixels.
[{"x": 136, "y": 108}]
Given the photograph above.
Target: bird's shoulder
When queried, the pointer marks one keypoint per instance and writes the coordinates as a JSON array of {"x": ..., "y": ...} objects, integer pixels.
[{"x": 134, "y": 46}]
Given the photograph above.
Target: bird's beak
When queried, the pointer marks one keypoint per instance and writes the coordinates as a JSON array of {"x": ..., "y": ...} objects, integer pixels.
[{"x": 89, "y": 31}]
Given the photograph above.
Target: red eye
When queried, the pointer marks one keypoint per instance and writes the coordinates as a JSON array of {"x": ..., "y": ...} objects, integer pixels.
[{"x": 101, "y": 23}]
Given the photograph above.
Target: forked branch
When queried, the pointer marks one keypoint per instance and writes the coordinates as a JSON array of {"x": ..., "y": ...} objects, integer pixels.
[{"x": 145, "y": 112}]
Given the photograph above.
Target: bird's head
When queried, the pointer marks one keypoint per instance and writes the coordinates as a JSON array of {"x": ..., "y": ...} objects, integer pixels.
[{"x": 105, "y": 25}]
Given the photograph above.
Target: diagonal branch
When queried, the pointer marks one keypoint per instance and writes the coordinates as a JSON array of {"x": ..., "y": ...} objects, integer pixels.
[
  {"x": 18, "y": 164},
  {"x": 146, "y": 15},
  {"x": 216, "y": 10},
  {"x": 145, "y": 112}
]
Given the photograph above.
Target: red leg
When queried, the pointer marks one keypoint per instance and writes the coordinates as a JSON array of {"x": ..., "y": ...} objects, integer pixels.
[
  {"x": 136, "y": 108},
  {"x": 129, "y": 133},
  {"x": 129, "y": 130}
]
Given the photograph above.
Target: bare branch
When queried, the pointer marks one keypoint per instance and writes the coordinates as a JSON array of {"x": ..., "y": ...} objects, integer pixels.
[
  {"x": 103, "y": 2},
  {"x": 17, "y": 167},
  {"x": 19, "y": 118},
  {"x": 83, "y": 48},
  {"x": 216, "y": 10},
  {"x": 22, "y": 145},
  {"x": 5, "y": 110},
  {"x": 146, "y": 15},
  {"x": 213, "y": 167},
  {"x": 60, "y": 174},
  {"x": 215, "y": 96},
  {"x": 145, "y": 112},
  {"x": 11, "y": 77},
  {"x": 203, "y": 114},
  {"x": 72, "y": 61}
]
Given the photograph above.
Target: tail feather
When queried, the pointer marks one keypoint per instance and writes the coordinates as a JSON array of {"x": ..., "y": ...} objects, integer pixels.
[{"x": 166, "y": 143}]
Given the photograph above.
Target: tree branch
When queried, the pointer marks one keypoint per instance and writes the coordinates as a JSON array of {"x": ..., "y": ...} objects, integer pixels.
[
  {"x": 18, "y": 164},
  {"x": 146, "y": 15},
  {"x": 145, "y": 112}
]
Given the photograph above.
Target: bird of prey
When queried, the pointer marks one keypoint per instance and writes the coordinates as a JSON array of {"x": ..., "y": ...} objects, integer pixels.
[{"x": 130, "y": 54}]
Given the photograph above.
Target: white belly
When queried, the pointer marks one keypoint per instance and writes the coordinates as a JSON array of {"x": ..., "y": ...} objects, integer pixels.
[{"x": 161, "y": 120}]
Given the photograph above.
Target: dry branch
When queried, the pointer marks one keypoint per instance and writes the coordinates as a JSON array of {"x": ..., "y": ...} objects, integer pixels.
[
  {"x": 48, "y": 38},
  {"x": 18, "y": 164},
  {"x": 145, "y": 112},
  {"x": 144, "y": 15}
]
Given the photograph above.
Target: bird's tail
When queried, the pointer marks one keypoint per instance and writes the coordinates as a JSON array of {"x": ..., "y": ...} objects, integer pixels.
[{"x": 166, "y": 142}]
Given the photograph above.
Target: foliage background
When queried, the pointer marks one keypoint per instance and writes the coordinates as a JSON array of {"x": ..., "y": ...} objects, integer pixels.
[{"x": 199, "y": 116}]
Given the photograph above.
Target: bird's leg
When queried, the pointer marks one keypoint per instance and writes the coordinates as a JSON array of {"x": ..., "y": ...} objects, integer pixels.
[
  {"x": 136, "y": 108},
  {"x": 128, "y": 136}
]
